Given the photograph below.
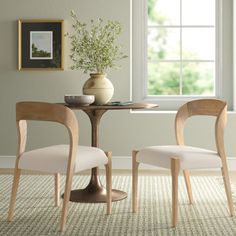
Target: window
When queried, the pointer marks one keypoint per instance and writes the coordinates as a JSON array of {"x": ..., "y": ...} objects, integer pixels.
[{"x": 176, "y": 51}]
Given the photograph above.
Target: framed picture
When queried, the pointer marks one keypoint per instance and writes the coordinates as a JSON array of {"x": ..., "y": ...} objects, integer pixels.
[{"x": 40, "y": 44}]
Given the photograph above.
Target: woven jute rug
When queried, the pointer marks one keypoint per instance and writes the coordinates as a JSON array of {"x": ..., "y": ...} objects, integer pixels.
[{"x": 36, "y": 215}]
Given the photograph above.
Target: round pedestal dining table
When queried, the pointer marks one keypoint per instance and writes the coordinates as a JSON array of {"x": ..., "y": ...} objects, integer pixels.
[{"x": 95, "y": 192}]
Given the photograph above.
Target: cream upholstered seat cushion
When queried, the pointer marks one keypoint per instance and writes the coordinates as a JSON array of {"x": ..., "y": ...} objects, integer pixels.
[
  {"x": 54, "y": 159},
  {"x": 190, "y": 157}
]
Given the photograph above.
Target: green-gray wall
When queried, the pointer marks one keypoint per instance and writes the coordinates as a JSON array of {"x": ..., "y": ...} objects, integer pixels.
[{"x": 121, "y": 131}]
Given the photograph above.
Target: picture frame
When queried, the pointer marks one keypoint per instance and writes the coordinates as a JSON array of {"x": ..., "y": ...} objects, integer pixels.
[{"x": 40, "y": 44}]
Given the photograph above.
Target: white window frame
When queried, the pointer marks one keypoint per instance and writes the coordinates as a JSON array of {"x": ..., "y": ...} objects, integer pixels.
[{"x": 139, "y": 60}]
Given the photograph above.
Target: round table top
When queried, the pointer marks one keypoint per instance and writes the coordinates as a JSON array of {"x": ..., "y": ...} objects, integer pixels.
[{"x": 112, "y": 107}]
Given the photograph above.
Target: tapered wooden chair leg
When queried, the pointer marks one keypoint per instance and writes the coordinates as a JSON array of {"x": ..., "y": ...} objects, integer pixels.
[
  {"x": 225, "y": 176},
  {"x": 108, "y": 167},
  {"x": 57, "y": 189},
  {"x": 135, "y": 165},
  {"x": 174, "y": 174},
  {"x": 14, "y": 193},
  {"x": 188, "y": 185},
  {"x": 66, "y": 200}
]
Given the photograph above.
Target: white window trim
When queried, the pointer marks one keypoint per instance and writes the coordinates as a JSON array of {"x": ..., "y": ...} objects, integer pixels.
[{"x": 138, "y": 83}]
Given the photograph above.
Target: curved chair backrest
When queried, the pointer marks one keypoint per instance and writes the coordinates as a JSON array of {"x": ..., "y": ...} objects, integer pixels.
[
  {"x": 43, "y": 111},
  {"x": 207, "y": 107}
]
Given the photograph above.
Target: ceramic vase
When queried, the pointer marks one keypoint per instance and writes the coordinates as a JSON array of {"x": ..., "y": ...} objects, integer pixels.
[{"x": 99, "y": 86}]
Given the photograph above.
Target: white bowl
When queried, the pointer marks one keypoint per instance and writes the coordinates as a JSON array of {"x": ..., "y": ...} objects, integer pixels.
[{"x": 80, "y": 100}]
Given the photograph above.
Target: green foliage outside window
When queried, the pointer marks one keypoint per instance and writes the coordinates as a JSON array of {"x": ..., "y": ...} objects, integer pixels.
[{"x": 164, "y": 78}]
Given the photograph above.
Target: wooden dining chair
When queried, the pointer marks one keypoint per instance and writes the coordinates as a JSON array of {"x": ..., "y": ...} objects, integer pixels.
[
  {"x": 64, "y": 159},
  {"x": 180, "y": 157}
]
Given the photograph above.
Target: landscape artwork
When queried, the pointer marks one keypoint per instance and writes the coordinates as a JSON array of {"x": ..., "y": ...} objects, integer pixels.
[{"x": 41, "y": 45}]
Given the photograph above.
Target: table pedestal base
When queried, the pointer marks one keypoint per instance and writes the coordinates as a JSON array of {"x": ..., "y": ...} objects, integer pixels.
[
  {"x": 87, "y": 196},
  {"x": 95, "y": 192}
]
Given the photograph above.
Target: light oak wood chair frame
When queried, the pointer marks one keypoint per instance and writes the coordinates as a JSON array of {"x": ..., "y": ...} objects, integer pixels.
[
  {"x": 41, "y": 111},
  {"x": 207, "y": 107}
]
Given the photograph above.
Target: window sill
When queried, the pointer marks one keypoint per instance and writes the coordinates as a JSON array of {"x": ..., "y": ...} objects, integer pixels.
[{"x": 152, "y": 112}]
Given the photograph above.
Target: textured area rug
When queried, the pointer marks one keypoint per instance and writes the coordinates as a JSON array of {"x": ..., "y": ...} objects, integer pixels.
[{"x": 36, "y": 215}]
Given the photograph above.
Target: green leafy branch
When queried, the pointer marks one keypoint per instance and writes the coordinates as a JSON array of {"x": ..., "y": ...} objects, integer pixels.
[{"x": 94, "y": 48}]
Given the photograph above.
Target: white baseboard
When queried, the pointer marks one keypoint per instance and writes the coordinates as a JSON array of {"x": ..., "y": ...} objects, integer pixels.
[{"x": 118, "y": 162}]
